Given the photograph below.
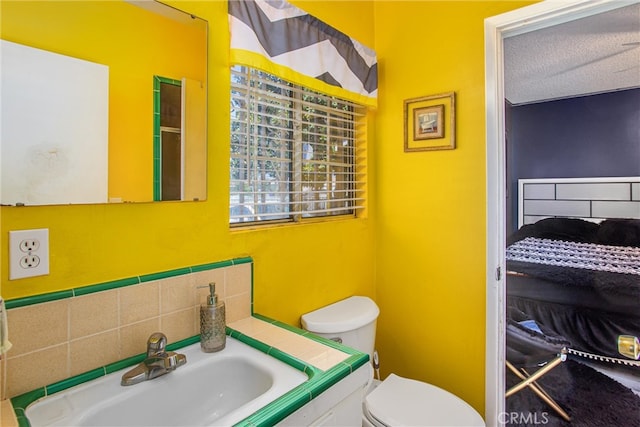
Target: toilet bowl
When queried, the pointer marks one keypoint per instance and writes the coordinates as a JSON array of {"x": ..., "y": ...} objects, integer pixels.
[
  {"x": 396, "y": 401},
  {"x": 401, "y": 401}
]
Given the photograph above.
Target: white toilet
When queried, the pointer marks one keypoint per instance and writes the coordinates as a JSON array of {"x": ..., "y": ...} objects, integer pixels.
[{"x": 396, "y": 401}]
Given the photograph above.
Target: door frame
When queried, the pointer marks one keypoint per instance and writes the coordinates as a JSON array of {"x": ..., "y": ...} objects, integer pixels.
[{"x": 496, "y": 29}]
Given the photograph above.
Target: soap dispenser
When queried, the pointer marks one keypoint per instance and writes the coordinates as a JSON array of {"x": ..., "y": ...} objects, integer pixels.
[{"x": 212, "y": 323}]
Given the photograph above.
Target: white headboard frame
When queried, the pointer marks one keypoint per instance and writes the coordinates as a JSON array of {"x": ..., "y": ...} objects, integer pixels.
[{"x": 591, "y": 199}]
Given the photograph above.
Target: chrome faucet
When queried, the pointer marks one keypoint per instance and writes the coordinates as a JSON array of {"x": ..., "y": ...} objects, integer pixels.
[{"x": 157, "y": 363}]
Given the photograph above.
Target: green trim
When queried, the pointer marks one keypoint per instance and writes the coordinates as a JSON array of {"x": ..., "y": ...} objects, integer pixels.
[
  {"x": 106, "y": 286},
  {"x": 23, "y": 421},
  {"x": 258, "y": 345},
  {"x": 274, "y": 352},
  {"x": 186, "y": 342},
  {"x": 323, "y": 382},
  {"x": 165, "y": 274},
  {"x": 265, "y": 319},
  {"x": 279, "y": 409},
  {"x": 26, "y": 399},
  {"x": 245, "y": 260},
  {"x": 74, "y": 381},
  {"x": 288, "y": 359},
  {"x": 212, "y": 266},
  {"x": 124, "y": 363},
  {"x": 290, "y": 328},
  {"x": 157, "y": 146},
  {"x": 168, "y": 80},
  {"x": 114, "y": 284},
  {"x": 37, "y": 299}
]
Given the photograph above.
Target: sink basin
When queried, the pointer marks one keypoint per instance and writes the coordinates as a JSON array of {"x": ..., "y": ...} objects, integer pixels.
[{"x": 211, "y": 389}]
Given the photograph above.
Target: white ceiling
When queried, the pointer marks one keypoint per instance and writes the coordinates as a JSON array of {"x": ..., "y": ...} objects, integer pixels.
[{"x": 599, "y": 53}]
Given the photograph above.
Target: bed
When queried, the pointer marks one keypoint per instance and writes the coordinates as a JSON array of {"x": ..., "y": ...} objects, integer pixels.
[{"x": 578, "y": 271}]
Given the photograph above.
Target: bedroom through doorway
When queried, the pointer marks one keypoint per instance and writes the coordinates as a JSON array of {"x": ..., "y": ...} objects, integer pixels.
[{"x": 508, "y": 121}]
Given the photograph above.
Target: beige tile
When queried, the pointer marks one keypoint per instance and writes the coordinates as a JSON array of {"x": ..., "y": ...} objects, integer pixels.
[
  {"x": 196, "y": 319},
  {"x": 93, "y": 352},
  {"x": 3, "y": 394},
  {"x": 303, "y": 348},
  {"x": 326, "y": 360},
  {"x": 253, "y": 327},
  {"x": 201, "y": 284},
  {"x": 290, "y": 342},
  {"x": 203, "y": 278},
  {"x": 179, "y": 325},
  {"x": 37, "y": 369},
  {"x": 139, "y": 302},
  {"x": 93, "y": 313},
  {"x": 298, "y": 346},
  {"x": 133, "y": 338},
  {"x": 38, "y": 326},
  {"x": 273, "y": 334},
  {"x": 177, "y": 293},
  {"x": 7, "y": 415},
  {"x": 238, "y": 280},
  {"x": 238, "y": 307}
]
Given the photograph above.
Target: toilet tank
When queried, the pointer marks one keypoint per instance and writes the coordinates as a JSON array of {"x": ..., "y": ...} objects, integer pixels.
[{"x": 351, "y": 321}]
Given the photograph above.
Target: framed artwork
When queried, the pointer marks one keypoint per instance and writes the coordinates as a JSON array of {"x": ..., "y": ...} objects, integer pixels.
[{"x": 429, "y": 123}]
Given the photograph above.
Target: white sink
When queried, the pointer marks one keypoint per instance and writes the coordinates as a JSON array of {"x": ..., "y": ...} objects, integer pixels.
[{"x": 211, "y": 389}]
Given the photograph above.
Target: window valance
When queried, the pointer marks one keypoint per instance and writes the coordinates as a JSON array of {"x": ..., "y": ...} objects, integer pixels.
[{"x": 277, "y": 37}]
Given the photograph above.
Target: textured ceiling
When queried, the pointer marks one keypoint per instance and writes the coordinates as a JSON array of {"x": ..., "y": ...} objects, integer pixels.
[{"x": 599, "y": 53}]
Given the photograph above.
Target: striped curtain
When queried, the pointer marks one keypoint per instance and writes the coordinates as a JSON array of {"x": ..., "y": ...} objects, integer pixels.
[{"x": 281, "y": 39}]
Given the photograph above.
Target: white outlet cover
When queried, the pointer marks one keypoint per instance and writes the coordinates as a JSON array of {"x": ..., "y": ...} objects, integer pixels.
[{"x": 25, "y": 244}]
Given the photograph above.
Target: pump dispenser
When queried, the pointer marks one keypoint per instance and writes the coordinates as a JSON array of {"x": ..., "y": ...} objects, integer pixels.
[{"x": 212, "y": 323}]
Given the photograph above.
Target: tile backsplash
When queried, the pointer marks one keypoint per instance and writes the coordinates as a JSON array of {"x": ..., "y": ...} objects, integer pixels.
[{"x": 54, "y": 340}]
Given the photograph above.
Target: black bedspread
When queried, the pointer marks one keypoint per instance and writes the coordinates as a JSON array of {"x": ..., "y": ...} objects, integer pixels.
[
  {"x": 590, "y": 308},
  {"x": 611, "y": 286},
  {"x": 614, "y": 232}
]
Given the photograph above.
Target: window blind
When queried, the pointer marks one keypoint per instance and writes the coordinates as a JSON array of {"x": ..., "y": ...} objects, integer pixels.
[{"x": 295, "y": 153}]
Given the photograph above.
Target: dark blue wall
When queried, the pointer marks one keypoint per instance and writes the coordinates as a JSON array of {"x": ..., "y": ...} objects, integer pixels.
[{"x": 596, "y": 135}]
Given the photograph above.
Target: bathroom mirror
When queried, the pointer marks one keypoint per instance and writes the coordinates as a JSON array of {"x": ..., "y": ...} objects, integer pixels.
[{"x": 102, "y": 102}]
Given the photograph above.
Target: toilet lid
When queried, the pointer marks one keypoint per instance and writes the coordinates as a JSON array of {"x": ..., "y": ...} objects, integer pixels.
[{"x": 400, "y": 401}]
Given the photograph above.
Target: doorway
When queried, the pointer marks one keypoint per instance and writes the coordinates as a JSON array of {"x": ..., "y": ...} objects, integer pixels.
[{"x": 534, "y": 17}]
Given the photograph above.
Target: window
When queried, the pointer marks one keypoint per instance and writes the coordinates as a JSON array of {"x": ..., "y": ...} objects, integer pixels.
[{"x": 295, "y": 153}]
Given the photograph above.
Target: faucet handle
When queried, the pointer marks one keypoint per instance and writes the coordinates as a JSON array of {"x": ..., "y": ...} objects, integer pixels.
[
  {"x": 156, "y": 343},
  {"x": 174, "y": 360}
]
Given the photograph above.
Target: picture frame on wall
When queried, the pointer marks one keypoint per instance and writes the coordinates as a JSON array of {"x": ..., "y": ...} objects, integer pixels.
[{"x": 429, "y": 123}]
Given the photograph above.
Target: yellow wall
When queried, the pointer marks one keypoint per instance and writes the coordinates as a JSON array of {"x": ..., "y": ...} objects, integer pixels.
[
  {"x": 430, "y": 237},
  {"x": 426, "y": 252},
  {"x": 293, "y": 274},
  {"x": 136, "y": 45}
]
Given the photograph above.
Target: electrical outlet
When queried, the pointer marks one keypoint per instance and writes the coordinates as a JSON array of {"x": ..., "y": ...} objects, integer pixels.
[
  {"x": 28, "y": 253},
  {"x": 29, "y": 261},
  {"x": 29, "y": 245}
]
